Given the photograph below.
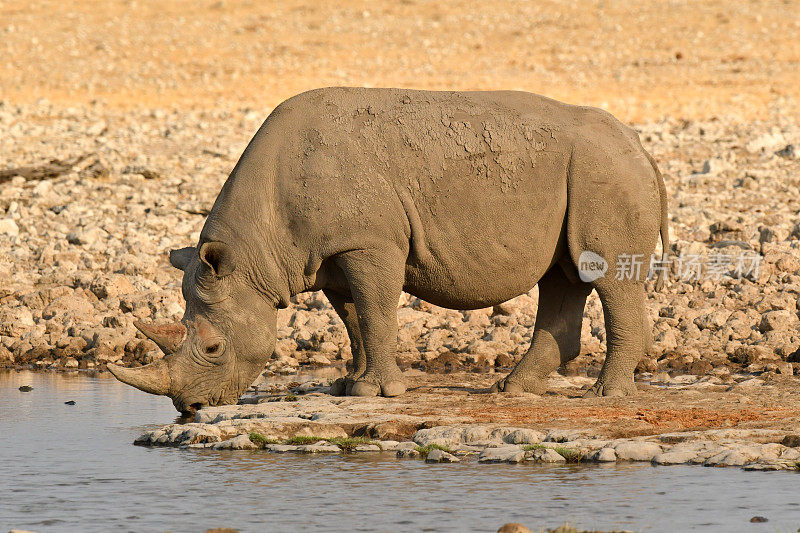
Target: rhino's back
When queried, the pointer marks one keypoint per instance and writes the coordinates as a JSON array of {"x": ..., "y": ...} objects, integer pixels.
[{"x": 481, "y": 177}]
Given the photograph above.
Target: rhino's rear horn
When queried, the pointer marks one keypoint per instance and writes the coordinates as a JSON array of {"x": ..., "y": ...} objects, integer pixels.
[{"x": 168, "y": 337}]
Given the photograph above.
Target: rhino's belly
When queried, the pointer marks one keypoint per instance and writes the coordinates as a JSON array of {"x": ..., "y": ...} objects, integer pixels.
[
  {"x": 482, "y": 257},
  {"x": 475, "y": 290}
]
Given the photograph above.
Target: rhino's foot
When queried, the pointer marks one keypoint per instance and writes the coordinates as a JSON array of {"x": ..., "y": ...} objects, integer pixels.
[
  {"x": 512, "y": 384},
  {"x": 370, "y": 385},
  {"x": 611, "y": 389},
  {"x": 342, "y": 386}
]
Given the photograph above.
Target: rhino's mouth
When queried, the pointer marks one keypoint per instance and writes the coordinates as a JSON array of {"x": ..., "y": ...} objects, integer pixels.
[
  {"x": 193, "y": 408},
  {"x": 188, "y": 410}
]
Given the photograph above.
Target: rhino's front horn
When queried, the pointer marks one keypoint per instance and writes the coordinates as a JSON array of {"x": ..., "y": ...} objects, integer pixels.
[
  {"x": 152, "y": 378},
  {"x": 168, "y": 337}
]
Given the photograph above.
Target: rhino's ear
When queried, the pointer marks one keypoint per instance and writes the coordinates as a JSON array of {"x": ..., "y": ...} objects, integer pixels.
[
  {"x": 218, "y": 256},
  {"x": 180, "y": 258}
]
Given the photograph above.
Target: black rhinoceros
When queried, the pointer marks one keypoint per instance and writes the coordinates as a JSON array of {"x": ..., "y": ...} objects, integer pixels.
[{"x": 464, "y": 199}]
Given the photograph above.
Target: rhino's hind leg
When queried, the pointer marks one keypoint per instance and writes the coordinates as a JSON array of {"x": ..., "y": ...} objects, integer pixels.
[
  {"x": 626, "y": 337},
  {"x": 375, "y": 279},
  {"x": 344, "y": 307},
  {"x": 556, "y": 335}
]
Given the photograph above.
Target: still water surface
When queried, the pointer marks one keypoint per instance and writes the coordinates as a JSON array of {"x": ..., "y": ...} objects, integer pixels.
[{"x": 73, "y": 468}]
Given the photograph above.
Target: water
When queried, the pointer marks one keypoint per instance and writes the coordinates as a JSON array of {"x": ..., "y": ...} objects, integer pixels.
[{"x": 73, "y": 468}]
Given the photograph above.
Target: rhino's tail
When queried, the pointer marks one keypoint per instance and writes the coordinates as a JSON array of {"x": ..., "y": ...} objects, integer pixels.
[{"x": 662, "y": 192}]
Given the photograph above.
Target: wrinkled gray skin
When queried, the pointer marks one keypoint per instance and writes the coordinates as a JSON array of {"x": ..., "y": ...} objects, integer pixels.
[{"x": 464, "y": 199}]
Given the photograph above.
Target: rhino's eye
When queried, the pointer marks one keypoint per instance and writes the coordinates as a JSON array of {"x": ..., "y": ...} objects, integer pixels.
[{"x": 213, "y": 349}]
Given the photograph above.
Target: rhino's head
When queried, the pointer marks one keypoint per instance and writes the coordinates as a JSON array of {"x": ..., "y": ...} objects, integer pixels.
[{"x": 223, "y": 341}]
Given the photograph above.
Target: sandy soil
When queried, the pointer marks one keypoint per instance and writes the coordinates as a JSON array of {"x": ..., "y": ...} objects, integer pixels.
[{"x": 640, "y": 60}]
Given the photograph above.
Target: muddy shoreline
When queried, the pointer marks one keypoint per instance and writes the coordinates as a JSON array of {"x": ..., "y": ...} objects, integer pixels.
[{"x": 747, "y": 422}]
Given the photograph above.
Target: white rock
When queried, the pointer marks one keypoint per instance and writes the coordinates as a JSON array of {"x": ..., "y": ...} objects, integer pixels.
[
  {"x": 674, "y": 457},
  {"x": 779, "y": 320},
  {"x": 367, "y": 448},
  {"x": 319, "y": 359},
  {"x": 524, "y": 436},
  {"x": 15, "y": 321},
  {"x": 240, "y": 442},
  {"x": 727, "y": 458},
  {"x": 771, "y": 141},
  {"x": 8, "y": 227},
  {"x": 503, "y": 454},
  {"x": 446, "y": 436},
  {"x": 603, "y": 455},
  {"x": 281, "y": 448},
  {"x": 546, "y": 455},
  {"x": 636, "y": 450}
]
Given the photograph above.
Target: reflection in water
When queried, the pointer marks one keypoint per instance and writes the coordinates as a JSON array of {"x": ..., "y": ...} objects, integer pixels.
[{"x": 68, "y": 468}]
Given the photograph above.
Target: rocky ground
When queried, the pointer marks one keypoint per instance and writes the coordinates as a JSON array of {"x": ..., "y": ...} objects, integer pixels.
[
  {"x": 94, "y": 198},
  {"x": 713, "y": 421}
]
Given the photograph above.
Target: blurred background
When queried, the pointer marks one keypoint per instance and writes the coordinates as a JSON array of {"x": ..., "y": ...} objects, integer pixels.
[{"x": 641, "y": 60}]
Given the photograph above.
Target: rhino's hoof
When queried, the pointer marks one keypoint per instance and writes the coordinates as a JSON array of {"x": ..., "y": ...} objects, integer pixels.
[
  {"x": 608, "y": 391},
  {"x": 393, "y": 388},
  {"x": 512, "y": 388},
  {"x": 515, "y": 387},
  {"x": 365, "y": 388}
]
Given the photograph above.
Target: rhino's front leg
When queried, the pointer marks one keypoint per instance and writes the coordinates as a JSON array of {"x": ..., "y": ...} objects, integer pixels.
[
  {"x": 344, "y": 307},
  {"x": 375, "y": 279}
]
